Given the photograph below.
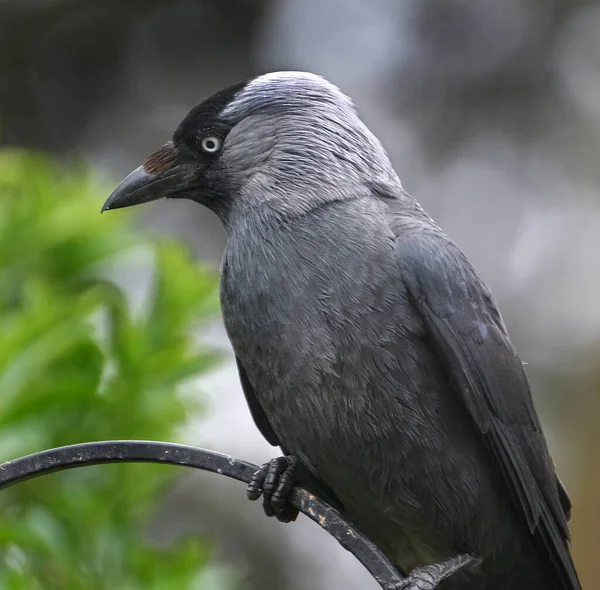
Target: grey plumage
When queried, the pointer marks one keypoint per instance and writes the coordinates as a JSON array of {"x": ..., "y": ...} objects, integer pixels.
[{"x": 368, "y": 345}]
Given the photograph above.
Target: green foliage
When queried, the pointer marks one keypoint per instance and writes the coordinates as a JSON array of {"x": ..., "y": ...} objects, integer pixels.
[{"x": 78, "y": 364}]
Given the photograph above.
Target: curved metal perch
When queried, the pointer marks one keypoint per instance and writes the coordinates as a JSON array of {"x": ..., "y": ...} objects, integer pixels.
[{"x": 136, "y": 451}]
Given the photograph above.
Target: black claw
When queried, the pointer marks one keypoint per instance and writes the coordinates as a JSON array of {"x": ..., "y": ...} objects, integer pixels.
[
  {"x": 254, "y": 489},
  {"x": 286, "y": 484},
  {"x": 429, "y": 576},
  {"x": 277, "y": 468},
  {"x": 274, "y": 481}
]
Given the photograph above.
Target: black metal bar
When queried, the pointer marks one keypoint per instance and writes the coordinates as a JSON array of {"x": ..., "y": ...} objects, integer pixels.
[{"x": 138, "y": 451}]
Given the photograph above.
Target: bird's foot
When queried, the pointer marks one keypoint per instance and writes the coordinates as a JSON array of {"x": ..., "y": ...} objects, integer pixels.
[
  {"x": 274, "y": 481},
  {"x": 429, "y": 576}
]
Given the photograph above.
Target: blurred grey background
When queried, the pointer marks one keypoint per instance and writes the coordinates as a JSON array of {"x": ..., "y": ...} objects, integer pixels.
[{"x": 491, "y": 114}]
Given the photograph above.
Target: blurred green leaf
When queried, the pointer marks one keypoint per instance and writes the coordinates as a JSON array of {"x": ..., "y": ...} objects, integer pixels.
[{"x": 76, "y": 364}]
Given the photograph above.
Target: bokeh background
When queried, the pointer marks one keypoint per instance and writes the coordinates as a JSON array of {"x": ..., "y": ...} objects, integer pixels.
[{"x": 491, "y": 114}]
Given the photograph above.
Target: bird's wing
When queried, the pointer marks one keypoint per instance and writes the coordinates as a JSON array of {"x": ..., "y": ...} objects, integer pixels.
[
  {"x": 258, "y": 414},
  {"x": 467, "y": 331}
]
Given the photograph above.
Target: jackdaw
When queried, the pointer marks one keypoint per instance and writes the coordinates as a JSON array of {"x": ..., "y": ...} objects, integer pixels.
[{"x": 369, "y": 348}]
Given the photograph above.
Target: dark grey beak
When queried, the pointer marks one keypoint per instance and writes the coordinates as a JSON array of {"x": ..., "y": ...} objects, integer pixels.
[{"x": 160, "y": 176}]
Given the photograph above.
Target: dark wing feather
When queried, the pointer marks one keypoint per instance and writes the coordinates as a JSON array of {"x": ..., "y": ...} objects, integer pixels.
[
  {"x": 466, "y": 329},
  {"x": 258, "y": 414}
]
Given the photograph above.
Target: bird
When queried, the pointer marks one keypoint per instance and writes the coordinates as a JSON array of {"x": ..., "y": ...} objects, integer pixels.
[{"x": 369, "y": 347}]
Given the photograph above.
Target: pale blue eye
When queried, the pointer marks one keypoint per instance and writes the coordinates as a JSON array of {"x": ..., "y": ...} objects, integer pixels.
[{"x": 210, "y": 144}]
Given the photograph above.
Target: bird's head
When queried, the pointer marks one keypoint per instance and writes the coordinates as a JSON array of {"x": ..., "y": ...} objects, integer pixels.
[{"x": 290, "y": 140}]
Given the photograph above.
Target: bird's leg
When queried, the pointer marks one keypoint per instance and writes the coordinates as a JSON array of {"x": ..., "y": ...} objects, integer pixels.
[
  {"x": 274, "y": 481},
  {"x": 429, "y": 576}
]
